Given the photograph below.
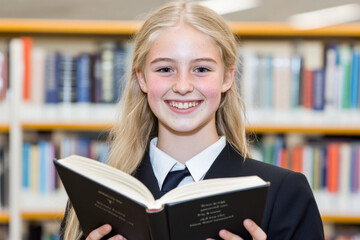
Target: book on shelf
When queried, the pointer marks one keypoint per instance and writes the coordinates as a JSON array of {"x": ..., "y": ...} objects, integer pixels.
[
  {"x": 102, "y": 194},
  {"x": 331, "y": 166}
]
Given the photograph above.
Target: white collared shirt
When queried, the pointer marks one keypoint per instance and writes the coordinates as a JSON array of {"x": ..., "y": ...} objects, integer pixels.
[{"x": 198, "y": 165}]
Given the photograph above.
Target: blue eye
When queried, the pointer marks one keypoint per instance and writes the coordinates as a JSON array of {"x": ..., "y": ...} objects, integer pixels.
[
  {"x": 201, "y": 69},
  {"x": 165, "y": 69}
]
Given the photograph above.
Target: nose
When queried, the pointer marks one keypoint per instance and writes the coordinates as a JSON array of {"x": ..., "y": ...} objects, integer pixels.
[{"x": 183, "y": 84}]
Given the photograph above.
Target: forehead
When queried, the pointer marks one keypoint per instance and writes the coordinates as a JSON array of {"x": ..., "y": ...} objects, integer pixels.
[{"x": 183, "y": 41}]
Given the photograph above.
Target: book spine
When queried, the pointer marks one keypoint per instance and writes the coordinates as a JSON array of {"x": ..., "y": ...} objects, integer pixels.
[
  {"x": 27, "y": 49},
  {"x": 345, "y": 60},
  {"x": 307, "y": 88},
  {"x": 3, "y": 76},
  {"x": 107, "y": 70},
  {"x": 51, "y": 83},
  {"x": 355, "y": 78},
  {"x": 83, "y": 78},
  {"x": 296, "y": 65},
  {"x": 319, "y": 90},
  {"x": 158, "y": 225}
]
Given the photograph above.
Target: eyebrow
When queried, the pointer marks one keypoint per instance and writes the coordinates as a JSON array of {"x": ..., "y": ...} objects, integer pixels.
[{"x": 172, "y": 60}]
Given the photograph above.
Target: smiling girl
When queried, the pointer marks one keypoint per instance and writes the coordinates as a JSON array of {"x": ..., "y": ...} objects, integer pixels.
[{"x": 181, "y": 109}]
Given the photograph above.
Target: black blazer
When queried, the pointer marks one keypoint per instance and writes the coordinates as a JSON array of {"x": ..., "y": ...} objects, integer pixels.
[{"x": 291, "y": 211}]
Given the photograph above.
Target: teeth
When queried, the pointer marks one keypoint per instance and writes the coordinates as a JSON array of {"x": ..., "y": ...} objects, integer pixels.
[{"x": 185, "y": 105}]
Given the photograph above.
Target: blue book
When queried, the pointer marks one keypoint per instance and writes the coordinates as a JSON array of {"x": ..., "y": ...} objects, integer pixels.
[
  {"x": 319, "y": 90},
  {"x": 83, "y": 83},
  {"x": 354, "y": 89},
  {"x": 119, "y": 71},
  {"x": 52, "y": 67},
  {"x": 26, "y": 166}
]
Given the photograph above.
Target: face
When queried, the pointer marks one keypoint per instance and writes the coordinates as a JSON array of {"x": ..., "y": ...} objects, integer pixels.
[{"x": 184, "y": 78}]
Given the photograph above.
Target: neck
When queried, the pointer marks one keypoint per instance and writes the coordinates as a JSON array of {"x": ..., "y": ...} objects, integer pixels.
[{"x": 184, "y": 146}]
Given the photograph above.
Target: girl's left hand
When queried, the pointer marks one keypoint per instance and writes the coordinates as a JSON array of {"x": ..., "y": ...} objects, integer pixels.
[{"x": 255, "y": 231}]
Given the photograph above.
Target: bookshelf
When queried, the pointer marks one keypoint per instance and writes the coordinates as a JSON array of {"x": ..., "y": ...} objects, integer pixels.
[{"x": 97, "y": 117}]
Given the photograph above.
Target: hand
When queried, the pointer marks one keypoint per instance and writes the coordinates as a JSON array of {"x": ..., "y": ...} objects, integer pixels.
[
  {"x": 101, "y": 232},
  {"x": 255, "y": 231}
]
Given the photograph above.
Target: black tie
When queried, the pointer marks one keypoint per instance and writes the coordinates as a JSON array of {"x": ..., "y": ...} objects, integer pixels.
[{"x": 173, "y": 179}]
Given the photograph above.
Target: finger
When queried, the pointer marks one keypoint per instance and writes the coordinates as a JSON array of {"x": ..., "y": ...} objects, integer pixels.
[
  {"x": 99, "y": 232},
  {"x": 117, "y": 237},
  {"x": 255, "y": 231},
  {"x": 226, "y": 235}
]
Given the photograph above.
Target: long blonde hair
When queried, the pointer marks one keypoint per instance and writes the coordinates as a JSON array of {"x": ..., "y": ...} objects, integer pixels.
[{"x": 136, "y": 124}]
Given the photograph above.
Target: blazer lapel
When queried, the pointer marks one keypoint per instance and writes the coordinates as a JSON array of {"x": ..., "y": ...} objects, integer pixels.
[
  {"x": 146, "y": 175},
  {"x": 227, "y": 164}
]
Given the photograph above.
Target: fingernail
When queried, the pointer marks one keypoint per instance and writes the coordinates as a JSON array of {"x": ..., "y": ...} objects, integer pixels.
[
  {"x": 248, "y": 223},
  {"x": 223, "y": 233},
  {"x": 107, "y": 227}
]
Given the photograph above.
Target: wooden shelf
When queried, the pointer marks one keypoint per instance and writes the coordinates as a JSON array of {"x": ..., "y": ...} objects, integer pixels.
[
  {"x": 4, "y": 217},
  {"x": 83, "y": 126},
  {"x": 105, "y": 27},
  {"x": 42, "y": 215},
  {"x": 68, "y": 26},
  {"x": 304, "y": 130},
  {"x": 273, "y": 29},
  {"x": 341, "y": 219},
  {"x": 4, "y": 127}
]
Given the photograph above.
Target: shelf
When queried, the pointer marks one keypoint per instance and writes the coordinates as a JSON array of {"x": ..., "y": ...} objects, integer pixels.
[
  {"x": 276, "y": 29},
  {"x": 105, "y": 27},
  {"x": 68, "y": 26},
  {"x": 4, "y": 217},
  {"x": 345, "y": 122},
  {"x": 341, "y": 219},
  {"x": 42, "y": 215},
  {"x": 77, "y": 117},
  {"x": 4, "y": 127}
]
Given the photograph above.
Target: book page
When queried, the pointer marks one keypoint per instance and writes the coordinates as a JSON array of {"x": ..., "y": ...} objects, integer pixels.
[
  {"x": 210, "y": 187},
  {"x": 110, "y": 177}
]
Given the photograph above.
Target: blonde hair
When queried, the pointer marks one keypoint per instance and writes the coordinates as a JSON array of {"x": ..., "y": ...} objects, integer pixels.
[{"x": 136, "y": 125}]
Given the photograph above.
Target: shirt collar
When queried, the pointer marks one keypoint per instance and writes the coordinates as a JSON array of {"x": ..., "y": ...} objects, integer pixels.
[{"x": 198, "y": 165}]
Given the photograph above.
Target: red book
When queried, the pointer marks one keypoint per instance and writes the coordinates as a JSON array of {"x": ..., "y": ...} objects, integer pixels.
[
  {"x": 27, "y": 46},
  {"x": 332, "y": 162},
  {"x": 307, "y": 88},
  {"x": 297, "y": 156},
  {"x": 284, "y": 158}
]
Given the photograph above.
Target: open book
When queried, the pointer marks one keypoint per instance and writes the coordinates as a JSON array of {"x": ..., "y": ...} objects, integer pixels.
[{"x": 102, "y": 194}]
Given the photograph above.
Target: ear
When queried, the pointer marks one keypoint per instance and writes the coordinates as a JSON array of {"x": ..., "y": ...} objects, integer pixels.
[
  {"x": 141, "y": 79},
  {"x": 228, "y": 79}
]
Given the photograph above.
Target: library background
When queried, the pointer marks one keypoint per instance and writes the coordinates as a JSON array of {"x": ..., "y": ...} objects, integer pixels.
[{"x": 63, "y": 65}]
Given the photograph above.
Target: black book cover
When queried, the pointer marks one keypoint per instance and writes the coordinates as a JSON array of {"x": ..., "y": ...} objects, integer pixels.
[{"x": 200, "y": 218}]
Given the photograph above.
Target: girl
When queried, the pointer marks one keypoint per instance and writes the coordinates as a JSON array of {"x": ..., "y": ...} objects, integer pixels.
[{"x": 181, "y": 108}]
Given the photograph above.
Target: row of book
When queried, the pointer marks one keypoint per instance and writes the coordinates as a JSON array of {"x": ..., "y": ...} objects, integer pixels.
[
  {"x": 285, "y": 75},
  {"x": 4, "y": 172},
  {"x": 329, "y": 164},
  {"x": 56, "y": 76},
  {"x": 38, "y": 172},
  {"x": 276, "y": 75}
]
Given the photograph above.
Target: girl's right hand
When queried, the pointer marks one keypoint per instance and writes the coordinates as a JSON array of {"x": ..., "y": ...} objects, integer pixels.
[{"x": 101, "y": 232}]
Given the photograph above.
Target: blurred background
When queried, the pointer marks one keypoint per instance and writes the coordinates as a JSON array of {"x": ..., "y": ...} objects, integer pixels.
[{"x": 63, "y": 65}]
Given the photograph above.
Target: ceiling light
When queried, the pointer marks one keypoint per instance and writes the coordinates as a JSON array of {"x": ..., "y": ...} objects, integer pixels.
[
  {"x": 326, "y": 17},
  {"x": 223, "y": 7}
]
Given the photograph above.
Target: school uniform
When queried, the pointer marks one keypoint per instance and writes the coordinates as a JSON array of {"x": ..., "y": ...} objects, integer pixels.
[{"x": 291, "y": 211}]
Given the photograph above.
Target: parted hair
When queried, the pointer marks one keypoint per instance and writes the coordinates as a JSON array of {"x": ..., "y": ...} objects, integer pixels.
[{"x": 136, "y": 125}]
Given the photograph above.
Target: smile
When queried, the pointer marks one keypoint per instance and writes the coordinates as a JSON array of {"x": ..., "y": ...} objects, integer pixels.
[{"x": 183, "y": 105}]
